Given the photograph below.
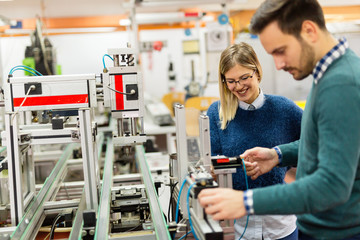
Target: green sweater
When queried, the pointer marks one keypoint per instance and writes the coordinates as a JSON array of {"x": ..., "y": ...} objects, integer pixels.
[{"x": 326, "y": 194}]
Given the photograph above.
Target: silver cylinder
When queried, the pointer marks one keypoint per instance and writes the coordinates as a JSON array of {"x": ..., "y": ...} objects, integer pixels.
[
  {"x": 133, "y": 126},
  {"x": 173, "y": 167},
  {"x": 116, "y": 61},
  {"x": 120, "y": 127}
]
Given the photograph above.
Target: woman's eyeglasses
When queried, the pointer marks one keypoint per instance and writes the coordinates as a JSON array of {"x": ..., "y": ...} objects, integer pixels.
[{"x": 242, "y": 78}]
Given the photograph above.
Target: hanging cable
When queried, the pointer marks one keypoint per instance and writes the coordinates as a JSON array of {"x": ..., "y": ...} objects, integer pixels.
[
  {"x": 130, "y": 93},
  {"x": 32, "y": 87},
  {"x": 103, "y": 59},
  {"x": 54, "y": 226},
  {"x": 172, "y": 188}
]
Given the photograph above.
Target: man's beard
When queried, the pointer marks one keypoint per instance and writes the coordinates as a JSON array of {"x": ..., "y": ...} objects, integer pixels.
[{"x": 306, "y": 61}]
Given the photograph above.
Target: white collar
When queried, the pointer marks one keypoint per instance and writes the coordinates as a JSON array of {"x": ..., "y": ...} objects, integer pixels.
[{"x": 257, "y": 103}]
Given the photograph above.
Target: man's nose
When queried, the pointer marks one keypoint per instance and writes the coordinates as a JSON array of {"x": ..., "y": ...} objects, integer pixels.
[{"x": 279, "y": 63}]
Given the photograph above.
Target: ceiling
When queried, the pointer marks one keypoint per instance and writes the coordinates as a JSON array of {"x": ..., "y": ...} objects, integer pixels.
[{"x": 25, "y": 9}]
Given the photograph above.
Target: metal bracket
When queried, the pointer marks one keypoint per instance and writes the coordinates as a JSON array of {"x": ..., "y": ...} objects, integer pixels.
[
  {"x": 75, "y": 134},
  {"x": 24, "y": 138},
  {"x": 36, "y": 91}
]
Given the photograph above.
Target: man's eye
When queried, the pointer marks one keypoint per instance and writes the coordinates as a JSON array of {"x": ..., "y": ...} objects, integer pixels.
[{"x": 279, "y": 52}]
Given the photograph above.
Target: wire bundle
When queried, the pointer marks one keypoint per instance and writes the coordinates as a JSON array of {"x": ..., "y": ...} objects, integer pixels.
[
  {"x": 172, "y": 188},
  {"x": 188, "y": 209},
  {"x": 26, "y": 69}
]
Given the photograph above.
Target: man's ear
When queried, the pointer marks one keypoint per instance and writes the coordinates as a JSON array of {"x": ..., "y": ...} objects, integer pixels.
[{"x": 309, "y": 31}]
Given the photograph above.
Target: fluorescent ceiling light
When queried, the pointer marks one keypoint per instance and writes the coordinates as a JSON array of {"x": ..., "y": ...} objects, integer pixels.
[
  {"x": 125, "y": 22},
  {"x": 63, "y": 30},
  {"x": 169, "y": 17},
  {"x": 154, "y": 3}
]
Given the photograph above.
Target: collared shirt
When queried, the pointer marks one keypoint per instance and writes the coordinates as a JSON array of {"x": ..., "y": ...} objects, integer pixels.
[
  {"x": 321, "y": 66},
  {"x": 257, "y": 103},
  {"x": 265, "y": 227}
]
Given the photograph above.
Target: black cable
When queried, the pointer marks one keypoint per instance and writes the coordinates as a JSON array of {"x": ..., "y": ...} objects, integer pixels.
[
  {"x": 172, "y": 188},
  {"x": 170, "y": 201},
  {"x": 124, "y": 93},
  {"x": 166, "y": 220},
  {"x": 133, "y": 228},
  {"x": 53, "y": 226}
]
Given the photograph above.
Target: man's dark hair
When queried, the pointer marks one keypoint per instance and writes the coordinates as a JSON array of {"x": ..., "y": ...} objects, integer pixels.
[{"x": 289, "y": 14}]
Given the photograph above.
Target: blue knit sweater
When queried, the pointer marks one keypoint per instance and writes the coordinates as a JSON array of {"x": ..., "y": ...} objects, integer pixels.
[{"x": 276, "y": 122}]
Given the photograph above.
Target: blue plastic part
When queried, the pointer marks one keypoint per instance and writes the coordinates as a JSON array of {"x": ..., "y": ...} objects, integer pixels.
[{"x": 223, "y": 19}]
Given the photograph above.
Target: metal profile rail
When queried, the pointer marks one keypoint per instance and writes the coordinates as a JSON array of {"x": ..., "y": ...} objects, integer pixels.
[
  {"x": 78, "y": 222},
  {"x": 102, "y": 223},
  {"x": 27, "y": 225},
  {"x": 160, "y": 225}
]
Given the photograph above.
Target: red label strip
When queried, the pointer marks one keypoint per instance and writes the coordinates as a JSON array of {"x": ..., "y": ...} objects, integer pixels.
[
  {"x": 51, "y": 100},
  {"x": 119, "y": 98}
]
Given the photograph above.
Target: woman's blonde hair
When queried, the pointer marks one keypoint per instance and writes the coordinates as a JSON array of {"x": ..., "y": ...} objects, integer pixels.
[{"x": 244, "y": 55}]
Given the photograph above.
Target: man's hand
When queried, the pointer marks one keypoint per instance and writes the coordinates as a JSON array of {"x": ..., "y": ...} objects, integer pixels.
[
  {"x": 222, "y": 203},
  {"x": 259, "y": 161}
]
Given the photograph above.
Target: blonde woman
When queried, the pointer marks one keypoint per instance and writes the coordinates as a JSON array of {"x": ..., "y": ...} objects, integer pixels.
[{"x": 246, "y": 117}]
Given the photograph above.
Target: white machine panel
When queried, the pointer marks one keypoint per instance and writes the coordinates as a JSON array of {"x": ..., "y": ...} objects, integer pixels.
[
  {"x": 50, "y": 93},
  {"x": 125, "y": 105}
]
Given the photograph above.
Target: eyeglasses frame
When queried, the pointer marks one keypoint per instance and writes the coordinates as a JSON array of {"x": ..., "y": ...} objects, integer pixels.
[{"x": 238, "y": 82}]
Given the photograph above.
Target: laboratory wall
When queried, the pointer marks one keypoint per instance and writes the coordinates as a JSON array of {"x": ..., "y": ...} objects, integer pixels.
[
  {"x": 155, "y": 64},
  {"x": 76, "y": 53},
  {"x": 83, "y": 53},
  {"x": 201, "y": 66}
]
